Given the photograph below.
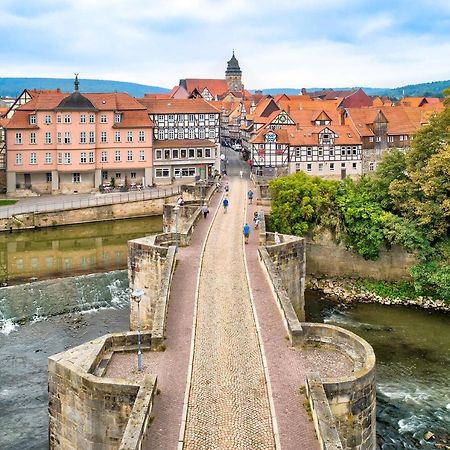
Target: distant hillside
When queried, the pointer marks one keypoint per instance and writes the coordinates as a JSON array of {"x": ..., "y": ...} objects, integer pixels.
[
  {"x": 433, "y": 89},
  {"x": 12, "y": 87}
]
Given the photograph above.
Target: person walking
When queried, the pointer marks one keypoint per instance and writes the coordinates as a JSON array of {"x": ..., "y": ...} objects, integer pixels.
[
  {"x": 246, "y": 231},
  {"x": 276, "y": 238},
  {"x": 225, "y": 205},
  {"x": 205, "y": 211},
  {"x": 250, "y": 197},
  {"x": 241, "y": 173},
  {"x": 256, "y": 219},
  {"x": 227, "y": 187}
]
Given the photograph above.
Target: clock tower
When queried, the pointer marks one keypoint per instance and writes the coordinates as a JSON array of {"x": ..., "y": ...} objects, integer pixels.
[{"x": 233, "y": 75}]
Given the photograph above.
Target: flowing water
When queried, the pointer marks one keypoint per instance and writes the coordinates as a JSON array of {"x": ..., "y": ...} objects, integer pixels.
[{"x": 412, "y": 347}]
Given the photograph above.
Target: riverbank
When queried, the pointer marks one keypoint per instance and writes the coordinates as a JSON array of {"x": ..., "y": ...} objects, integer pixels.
[{"x": 350, "y": 290}]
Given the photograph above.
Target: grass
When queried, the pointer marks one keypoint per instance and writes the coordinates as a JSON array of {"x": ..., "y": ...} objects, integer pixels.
[{"x": 4, "y": 202}]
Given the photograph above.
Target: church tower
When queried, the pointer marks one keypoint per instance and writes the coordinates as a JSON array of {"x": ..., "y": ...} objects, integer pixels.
[{"x": 233, "y": 75}]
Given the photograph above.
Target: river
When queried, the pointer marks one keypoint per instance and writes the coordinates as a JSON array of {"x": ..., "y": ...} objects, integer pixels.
[{"x": 412, "y": 348}]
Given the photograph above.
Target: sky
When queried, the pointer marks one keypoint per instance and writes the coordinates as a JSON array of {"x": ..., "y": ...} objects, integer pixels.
[{"x": 279, "y": 43}]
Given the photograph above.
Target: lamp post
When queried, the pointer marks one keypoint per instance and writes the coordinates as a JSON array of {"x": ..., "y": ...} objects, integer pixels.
[
  {"x": 137, "y": 294},
  {"x": 176, "y": 210}
]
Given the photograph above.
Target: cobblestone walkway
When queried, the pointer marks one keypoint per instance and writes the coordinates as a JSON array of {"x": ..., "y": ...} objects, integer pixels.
[{"x": 228, "y": 404}]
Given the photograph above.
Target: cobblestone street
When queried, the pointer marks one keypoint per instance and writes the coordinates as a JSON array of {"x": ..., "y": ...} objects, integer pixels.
[{"x": 228, "y": 403}]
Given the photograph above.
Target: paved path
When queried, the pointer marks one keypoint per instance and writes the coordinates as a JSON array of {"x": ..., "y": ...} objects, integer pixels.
[{"x": 228, "y": 399}]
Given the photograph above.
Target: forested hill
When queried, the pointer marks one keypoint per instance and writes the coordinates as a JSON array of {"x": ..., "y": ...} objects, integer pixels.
[
  {"x": 432, "y": 89},
  {"x": 12, "y": 87}
]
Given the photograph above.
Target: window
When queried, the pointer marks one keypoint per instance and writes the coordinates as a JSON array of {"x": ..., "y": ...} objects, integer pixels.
[
  {"x": 162, "y": 173},
  {"x": 191, "y": 153},
  {"x": 212, "y": 133},
  {"x": 103, "y": 137},
  {"x": 354, "y": 151},
  {"x": 354, "y": 166},
  {"x": 343, "y": 165},
  {"x": 211, "y": 117},
  {"x": 83, "y": 158},
  {"x": 371, "y": 167},
  {"x": 117, "y": 118},
  {"x": 141, "y": 155},
  {"x": 47, "y": 119},
  {"x": 349, "y": 151},
  {"x": 141, "y": 136},
  {"x": 32, "y": 119},
  {"x": 82, "y": 118},
  {"x": 91, "y": 137},
  {"x": 320, "y": 167},
  {"x": 191, "y": 133},
  {"x": 67, "y": 137},
  {"x": 49, "y": 177},
  {"x": 129, "y": 136},
  {"x": 83, "y": 137},
  {"x": 158, "y": 154},
  {"x": 60, "y": 158},
  {"x": 171, "y": 133},
  {"x": 183, "y": 153},
  {"x": 191, "y": 117},
  {"x": 331, "y": 152},
  {"x": 103, "y": 118},
  {"x": 308, "y": 167},
  {"x": 160, "y": 135},
  {"x": 343, "y": 151},
  {"x": 309, "y": 152},
  {"x": 117, "y": 155},
  {"x": 188, "y": 172},
  {"x": 118, "y": 175},
  {"x": 161, "y": 118},
  {"x": 117, "y": 136},
  {"x": 390, "y": 138},
  {"x": 331, "y": 166},
  {"x": 133, "y": 175},
  {"x": 180, "y": 133},
  {"x": 105, "y": 175},
  {"x": 171, "y": 117},
  {"x": 59, "y": 138},
  {"x": 378, "y": 139},
  {"x": 370, "y": 138},
  {"x": 320, "y": 152},
  {"x": 76, "y": 177},
  {"x": 18, "y": 138},
  {"x": 48, "y": 158},
  {"x": 67, "y": 158},
  {"x": 201, "y": 133},
  {"x": 130, "y": 155},
  {"x": 104, "y": 157},
  {"x": 175, "y": 153},
  {"x": 33, "y": 158},
  {"x": 91, "y": 118},
  {"x": 199, "y": 153},
  {"x": 48, "y": 138},
  {"x": 19, "y": 160},
  {"x": 32, "y": 137},
  {"x": 91, "y": 157},
  {"x": 207, "y": 153},
  {"x": 58, "y": 118},
  {"x": 201, "y": 117},
  {"x": 66, "y": 118}
]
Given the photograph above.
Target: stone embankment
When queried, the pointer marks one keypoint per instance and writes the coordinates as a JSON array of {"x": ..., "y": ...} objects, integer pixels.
[{"x": 346, "y": 290}]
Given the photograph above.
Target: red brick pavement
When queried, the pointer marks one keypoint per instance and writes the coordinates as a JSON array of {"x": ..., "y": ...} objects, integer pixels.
[{"x": 286, "y": 368}]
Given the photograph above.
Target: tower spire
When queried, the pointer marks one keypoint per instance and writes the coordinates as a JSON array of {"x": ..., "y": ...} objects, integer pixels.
[{"x": 76, "y": 83}]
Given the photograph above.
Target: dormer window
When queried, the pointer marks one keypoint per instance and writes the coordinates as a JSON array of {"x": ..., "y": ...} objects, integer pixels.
[
  {"x": 271, "y": 137},
  {"x": 117, "y": 118},
  {"x": 32, "y": 119}
]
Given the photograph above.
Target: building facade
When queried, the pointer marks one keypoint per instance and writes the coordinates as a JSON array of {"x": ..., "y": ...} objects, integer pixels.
[
  {"x": 186, "y": 139},
  {"x": 61, "y": 143}
]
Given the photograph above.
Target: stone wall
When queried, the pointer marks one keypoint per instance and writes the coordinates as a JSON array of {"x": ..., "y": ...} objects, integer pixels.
[
  {"x": 150, "y": 267},
  {"x": 289, "y": 261},
  {"x": 141, "y": 208},
  {"x": 87, "y": 411},
  {"x": 326, "y": 258}
]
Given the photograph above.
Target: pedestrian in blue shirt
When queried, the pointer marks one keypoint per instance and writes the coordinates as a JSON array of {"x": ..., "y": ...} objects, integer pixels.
[
  {"x": 225, "y": 205},
  {"x": 250, "y": 197},
  {"x": 246, "y": 231}
]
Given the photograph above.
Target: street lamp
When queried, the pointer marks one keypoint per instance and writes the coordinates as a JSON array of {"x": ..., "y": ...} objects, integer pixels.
[
  {"x": 137, "y": 294},
  {"x": 176, "y": 210}
]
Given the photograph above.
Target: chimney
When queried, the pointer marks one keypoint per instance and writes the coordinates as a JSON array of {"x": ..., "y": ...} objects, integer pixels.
[{"x": 342, "y": 117}]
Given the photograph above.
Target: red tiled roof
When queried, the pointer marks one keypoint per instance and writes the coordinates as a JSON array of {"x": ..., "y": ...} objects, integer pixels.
[
  {"x": 134, "y": 119},
  {"x": 214, "y": 86},
  {"x": 183, "y": 143},
  {"x": 20, "y": 119},
  {"x": 174, "y": 105},
  {"x": 157, "y": 95}
]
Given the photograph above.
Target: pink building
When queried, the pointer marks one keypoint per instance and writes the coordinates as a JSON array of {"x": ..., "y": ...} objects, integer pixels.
[{"x": 66, "y": 143}]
